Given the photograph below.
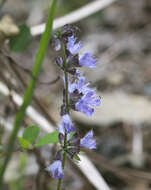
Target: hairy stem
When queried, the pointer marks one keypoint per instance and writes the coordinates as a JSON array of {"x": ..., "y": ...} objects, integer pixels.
[
  {"x": 30, "y": 88},
  {"x": 67, "y": 110}
]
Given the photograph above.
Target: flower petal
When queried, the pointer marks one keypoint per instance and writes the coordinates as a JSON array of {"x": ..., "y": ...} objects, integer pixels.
[
  {"x": 56, "y": 169},
  {"x": 66, "y": 125},
  {"x": 87, "y": 141},
  {"x": 87, "y": 60},
  {"x": 72, "y": 46}
]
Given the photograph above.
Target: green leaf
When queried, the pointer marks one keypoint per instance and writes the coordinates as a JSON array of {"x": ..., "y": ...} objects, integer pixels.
[
  {"x": 21, "y": 41},
  {"x": 50, "y": 138},
  {"x": 23, "y": 142},
  {"x": 31, "y": 133}
]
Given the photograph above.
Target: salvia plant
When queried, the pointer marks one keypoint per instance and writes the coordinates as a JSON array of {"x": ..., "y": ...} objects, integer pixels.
[{"x": 77, "y": 96}]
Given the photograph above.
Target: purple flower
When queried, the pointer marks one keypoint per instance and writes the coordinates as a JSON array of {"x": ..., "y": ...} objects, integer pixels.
[
  {"x": 82, "y": 98},
  {"x": 87, "y": 141},
  {"x": 87, "y": 60},
  {"x": 72, "y": 46},
  {"x": 56, "y": 169},
  {"x": 85, "y": 103},
  {"x": 84, "y": 60},
  {"x": 78, "y": 85},
  {"x": 66, "y": 125}
]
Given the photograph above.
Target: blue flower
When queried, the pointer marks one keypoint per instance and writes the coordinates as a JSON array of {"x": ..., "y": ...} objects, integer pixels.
[
  {"x": 85, "y": 103},
  {"x": 72, "y": 46},
  {"x": 56, "y": 169},
  {"x": 87, "y": 141},
  {"x": 78, "y": 85},
  {"x": 84, "y": 60},
  {"x": 87, "y": 60},
  {"x": 82, "y": 96},
  {"x": 66, "y": 125}
]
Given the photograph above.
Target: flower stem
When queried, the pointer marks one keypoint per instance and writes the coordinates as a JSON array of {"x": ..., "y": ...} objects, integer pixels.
[
  {"x": 66, "y": 79},
  {"x": 30, "y": 88},
  {"x": 67, "y": 110}
]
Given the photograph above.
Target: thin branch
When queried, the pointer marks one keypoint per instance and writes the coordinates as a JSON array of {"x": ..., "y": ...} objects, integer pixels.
[{"x": 74, "y": 16}]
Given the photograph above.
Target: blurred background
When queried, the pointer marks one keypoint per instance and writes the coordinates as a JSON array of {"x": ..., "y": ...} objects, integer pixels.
[{"x": 119, "y": 35}]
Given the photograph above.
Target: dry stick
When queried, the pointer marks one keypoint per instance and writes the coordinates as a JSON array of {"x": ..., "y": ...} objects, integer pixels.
[{"x": 74, "y": 16}]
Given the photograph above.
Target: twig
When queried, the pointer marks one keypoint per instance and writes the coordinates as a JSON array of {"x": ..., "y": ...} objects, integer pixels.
[{"x": 74, "y": 16}]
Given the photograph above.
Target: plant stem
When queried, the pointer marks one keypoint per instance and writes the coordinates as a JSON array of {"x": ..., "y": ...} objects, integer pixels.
[
  {"x": 67, "y": 110},
  {"x": 30, "y": 88},
  {"x": 66, "y": 80}
]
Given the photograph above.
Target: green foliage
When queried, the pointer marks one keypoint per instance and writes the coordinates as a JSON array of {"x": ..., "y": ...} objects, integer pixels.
[
  {"x": 21, "y": 41},
  {"x": 49, "y": 138},
  {"x": 31, "y": 133},
  {"x": 24, "y": 143}
]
